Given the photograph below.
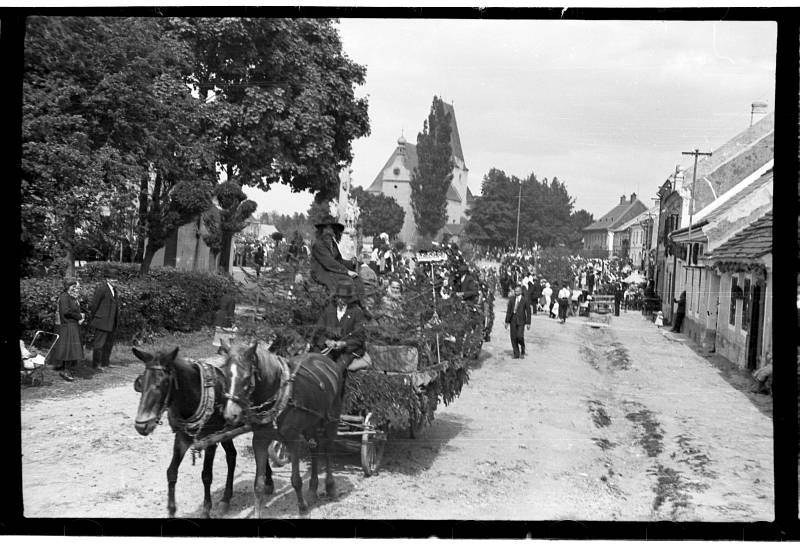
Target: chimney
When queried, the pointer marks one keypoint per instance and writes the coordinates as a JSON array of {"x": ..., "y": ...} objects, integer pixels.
[
  {"x": 633, "y": 197},
  {"x": 622, "y": 199}
]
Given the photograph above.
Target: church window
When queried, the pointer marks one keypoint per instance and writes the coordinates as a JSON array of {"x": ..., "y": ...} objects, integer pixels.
[{"x": 396, "y": 172}]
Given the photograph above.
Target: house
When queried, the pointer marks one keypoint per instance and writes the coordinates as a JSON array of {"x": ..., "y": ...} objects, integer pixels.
[
  {"x": 728, "y": 165},
  {"x": 394, "y": 180},
  {"x": 603, "y": 235},
  {"x": 638, "y": 231},
  {"x": 727, "y": 275}
]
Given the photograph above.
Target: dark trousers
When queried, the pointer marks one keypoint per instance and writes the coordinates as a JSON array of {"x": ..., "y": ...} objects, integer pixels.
[
  {"x": 678, "y": 322},
  {"x": 101, "y": 351},
  {"x": 616, "y": 307},
  {"x": 517, "y": 338}
]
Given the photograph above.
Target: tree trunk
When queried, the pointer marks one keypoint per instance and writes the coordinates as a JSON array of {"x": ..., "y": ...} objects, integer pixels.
[
  {"x": 225, "y": 253},
  {"x": 144, "y": 270},
  {"x": 197, "y": 243},
  {"x": 142, "y": 226}
]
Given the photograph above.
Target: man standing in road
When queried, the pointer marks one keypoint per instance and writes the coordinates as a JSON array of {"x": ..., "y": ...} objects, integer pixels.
[
  {"x": 518, "y": 314},
  {"x": 104, "y": 317}
]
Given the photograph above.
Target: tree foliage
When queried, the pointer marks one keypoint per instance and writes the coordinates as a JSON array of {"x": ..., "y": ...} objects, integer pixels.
[
  {"x": 545, "y": 207},
  {"x": 379, "y": 213},
  {"x": 431, "y": 179},
  {"x": 284, "y": 107}
]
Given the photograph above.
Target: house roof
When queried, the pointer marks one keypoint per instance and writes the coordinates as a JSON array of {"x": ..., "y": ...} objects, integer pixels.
[
  {"x": 751, "y": 243},
  {"x": 470, "y": 196},
  {"x": 618, "y": 215},
  {"x": 637, "y": 219},
  {"x": 454, "y": 228},
  {"x": 452, "y": 194},
  {"x": 733, "y": 198}
]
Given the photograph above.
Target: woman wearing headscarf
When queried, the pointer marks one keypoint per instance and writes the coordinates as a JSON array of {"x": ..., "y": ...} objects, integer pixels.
[{"x": 68, "y": 349}]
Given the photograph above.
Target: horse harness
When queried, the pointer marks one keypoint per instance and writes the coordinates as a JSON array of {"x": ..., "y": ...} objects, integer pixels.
[
  {"x": 284, "y": 397},
  {"x": 205, "y": 408}
]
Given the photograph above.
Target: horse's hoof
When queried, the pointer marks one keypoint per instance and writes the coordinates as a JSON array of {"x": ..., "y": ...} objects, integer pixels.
[
  {"x": 303, "y": 509},
  {"x": 269, "y": 489},
  {"x": 224, "y": 507},
  {"x": 330, "y": 491}
]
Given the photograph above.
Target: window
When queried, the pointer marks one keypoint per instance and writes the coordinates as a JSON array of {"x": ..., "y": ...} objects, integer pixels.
[
  {"x": 734, "y": 289},
  {"x": 746, "y": 305}
]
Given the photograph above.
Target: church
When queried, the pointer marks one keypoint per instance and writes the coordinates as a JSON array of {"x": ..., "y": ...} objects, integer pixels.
[{"x": 393, "y": 180}]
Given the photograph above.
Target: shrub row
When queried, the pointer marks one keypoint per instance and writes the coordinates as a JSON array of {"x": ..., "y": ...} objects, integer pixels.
[{"x": 167, "y": 299}]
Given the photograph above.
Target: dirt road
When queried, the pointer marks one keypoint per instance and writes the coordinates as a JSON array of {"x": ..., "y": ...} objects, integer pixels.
[{"x": 601, "y": 421}]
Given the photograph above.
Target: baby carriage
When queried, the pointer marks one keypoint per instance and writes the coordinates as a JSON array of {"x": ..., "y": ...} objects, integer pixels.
[{"x": 34, "y": 357}]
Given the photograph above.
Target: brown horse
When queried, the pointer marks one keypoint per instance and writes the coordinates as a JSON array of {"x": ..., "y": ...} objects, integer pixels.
[
  {"x": 193, "y": 395},
  {"x": 303, "y": 399}
]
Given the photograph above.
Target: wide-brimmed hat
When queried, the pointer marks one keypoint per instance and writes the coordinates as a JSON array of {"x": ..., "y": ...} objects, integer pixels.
[
  {"x": 330, "y": 220},
  {"x": 345, "y": 290}
]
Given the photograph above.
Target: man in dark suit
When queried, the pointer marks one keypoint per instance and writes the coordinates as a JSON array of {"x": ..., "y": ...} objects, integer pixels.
[
  {"x": 534, "y": 292},
  {"x": 341, "y": 326},
  {"x": 518, "y": 314},
  {"x": 104, "y": 318},
  {"x": 468, "y": 291}
]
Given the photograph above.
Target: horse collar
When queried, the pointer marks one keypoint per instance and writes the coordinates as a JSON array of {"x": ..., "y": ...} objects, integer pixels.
[{"x": 205, "y": 408}]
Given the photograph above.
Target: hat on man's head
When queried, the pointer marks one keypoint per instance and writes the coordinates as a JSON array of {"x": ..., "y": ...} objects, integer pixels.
[
  {"x": 330, "y": 220},
  {"x": 345, "y": 290}
]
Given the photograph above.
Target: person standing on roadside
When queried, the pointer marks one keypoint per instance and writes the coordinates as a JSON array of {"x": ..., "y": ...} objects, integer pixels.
[
  {"x": 258, "y": 260},
  {"x": 104, "y": 318},
  {"x": 68, "y": 349},
  {"x": 681, "y": 313},
  {"x": 563, "y": 302},
  {"x": 518, "y": 314}
]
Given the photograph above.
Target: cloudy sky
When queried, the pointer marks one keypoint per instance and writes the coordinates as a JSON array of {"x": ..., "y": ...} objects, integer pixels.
[{"x": 605, "y": 106}]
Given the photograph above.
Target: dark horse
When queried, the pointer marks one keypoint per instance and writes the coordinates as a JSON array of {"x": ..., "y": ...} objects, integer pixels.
[
  {"x": 193, "y": 393},
  {"x": 303, "y": 399}
]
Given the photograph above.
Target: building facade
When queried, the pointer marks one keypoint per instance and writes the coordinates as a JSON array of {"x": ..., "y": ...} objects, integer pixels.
[
  {"x": 394, "y": 180},
  {"x": 604, "y": 234}
]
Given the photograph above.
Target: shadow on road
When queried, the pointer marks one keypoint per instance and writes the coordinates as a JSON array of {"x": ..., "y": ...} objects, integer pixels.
[
  {"x": 412, "y": 456},
  {"x": 737, "y": 377}
]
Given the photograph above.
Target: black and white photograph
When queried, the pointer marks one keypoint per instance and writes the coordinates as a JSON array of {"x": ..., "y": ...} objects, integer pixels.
[{"x": 397, "y": 268}]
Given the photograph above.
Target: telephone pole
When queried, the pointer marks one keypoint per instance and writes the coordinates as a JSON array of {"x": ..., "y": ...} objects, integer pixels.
[
  {"x": 696, "y": 153},
  {"x": 519, "y": 203}
]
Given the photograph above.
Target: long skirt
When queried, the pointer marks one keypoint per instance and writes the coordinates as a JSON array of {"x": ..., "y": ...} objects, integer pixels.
[{"x": 69, "y": 346}]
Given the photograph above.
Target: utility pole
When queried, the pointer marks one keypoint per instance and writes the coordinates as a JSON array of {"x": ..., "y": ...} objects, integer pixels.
[
  {"x": 696, "y": 153},
  {"x": 519, "y": 204}
]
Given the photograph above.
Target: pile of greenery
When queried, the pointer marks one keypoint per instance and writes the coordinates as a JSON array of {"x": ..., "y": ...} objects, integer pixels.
[
  {"x": 166, "y": 300},
  {"x": 291, "y": 310}
]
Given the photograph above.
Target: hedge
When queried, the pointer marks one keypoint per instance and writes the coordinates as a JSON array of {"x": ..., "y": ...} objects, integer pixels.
[{"x": 166, "y": 300}]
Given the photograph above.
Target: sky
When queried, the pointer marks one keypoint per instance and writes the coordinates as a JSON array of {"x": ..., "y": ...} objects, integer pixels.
[{"x": 607, "y": 107}]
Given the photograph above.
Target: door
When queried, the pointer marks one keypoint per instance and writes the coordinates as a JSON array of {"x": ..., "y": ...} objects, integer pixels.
[{"x": 754, "y": 334}]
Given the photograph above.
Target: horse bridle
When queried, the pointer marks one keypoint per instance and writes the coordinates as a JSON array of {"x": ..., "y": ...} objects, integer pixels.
[
  {"x": 137, "y": 386},
  {"x": 246, "y": 390}
]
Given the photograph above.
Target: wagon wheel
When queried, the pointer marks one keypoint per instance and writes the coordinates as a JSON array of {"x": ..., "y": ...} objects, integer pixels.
[
  {"x": 278, "y": 453},
  {"x": 372, "y": 447}
]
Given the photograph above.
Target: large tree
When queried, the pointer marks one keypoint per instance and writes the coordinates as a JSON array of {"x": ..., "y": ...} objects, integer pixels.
[
  {"x": 545, "y": 211},
  {"x": 379, "y": 213},
  {"x": 282, "y": 93},
  {"x": 431, "y": 178},
  {"x": 98, "y": 128}
]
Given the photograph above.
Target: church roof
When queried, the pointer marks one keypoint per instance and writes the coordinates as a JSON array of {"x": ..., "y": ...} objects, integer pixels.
[{"x": 411, "y": 161}]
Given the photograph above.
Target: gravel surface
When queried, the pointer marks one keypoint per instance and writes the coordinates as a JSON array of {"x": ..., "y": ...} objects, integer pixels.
[{"x": 608, "y": 419}]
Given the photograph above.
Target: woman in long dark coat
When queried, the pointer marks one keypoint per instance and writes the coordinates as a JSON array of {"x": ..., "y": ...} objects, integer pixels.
[{"x": 69, "y": 347}]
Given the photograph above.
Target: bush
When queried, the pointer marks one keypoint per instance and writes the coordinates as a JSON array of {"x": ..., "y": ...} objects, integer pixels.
[{"x": 167, "y": 299}]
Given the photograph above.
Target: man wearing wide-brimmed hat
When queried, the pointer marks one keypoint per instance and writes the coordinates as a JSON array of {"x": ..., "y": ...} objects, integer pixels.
[
  {"x": 340, "y": 329},
  {"x": 327, "y": 265}
]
